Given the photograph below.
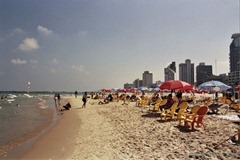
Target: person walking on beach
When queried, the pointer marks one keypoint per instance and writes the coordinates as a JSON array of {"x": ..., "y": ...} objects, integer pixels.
[
  {"x": 55, "y": 99},
  {"x": 58, "y": 98},
  {"x": 76, "y": 93},
  {"x": 84, "y": 99}
]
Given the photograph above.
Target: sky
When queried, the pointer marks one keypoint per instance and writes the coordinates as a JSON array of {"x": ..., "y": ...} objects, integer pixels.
[{"x": 87, "y": 45}]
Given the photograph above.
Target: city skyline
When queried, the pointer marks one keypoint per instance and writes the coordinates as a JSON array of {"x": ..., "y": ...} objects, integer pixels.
[{"x": 89, "y": 45}]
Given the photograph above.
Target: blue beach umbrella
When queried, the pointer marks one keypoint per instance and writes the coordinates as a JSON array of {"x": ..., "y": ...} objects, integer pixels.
[
  {"x": 142, "y": 88},
  {"x": 214, "y": 86}
]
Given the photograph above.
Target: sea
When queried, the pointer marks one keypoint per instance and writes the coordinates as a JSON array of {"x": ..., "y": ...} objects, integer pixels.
[{"x": 24, "y": 117}]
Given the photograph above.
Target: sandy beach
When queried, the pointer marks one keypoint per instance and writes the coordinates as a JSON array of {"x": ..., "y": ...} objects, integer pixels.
[{"x": 116, "y": 131}]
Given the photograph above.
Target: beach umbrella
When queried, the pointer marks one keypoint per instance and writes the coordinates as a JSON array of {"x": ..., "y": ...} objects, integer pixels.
[
  {"x": 132, "y": 90},
  {"x": 156, "y": 89},
  {"x": 176, "y": 84},
  {"x": 115, "y": 89},
  {"x": 214, "y": 86},
  {"x": 122, "y": 90},
  {"x": 142, "y": 88}
]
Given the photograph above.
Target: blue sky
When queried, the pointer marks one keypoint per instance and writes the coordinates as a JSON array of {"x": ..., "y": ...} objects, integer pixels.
[{"x": 92, "y": 44}]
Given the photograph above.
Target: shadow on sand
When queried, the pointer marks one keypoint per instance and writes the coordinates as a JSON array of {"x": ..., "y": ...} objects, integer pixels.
[{"x": 151, "y": 115}]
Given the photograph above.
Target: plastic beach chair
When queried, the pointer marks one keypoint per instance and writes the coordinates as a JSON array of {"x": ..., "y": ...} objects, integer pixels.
[{"x": 197, "y": 118}]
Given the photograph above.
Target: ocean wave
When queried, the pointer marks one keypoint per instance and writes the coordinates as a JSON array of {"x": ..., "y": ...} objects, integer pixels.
[
  {"x": 12, "y": 96},
  {"x": 27, "y": 95}
]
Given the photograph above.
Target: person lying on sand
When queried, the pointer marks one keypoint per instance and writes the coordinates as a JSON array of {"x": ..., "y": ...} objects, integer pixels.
[
  {"x": 66, "y": 107},
  {"x": 105, "y": 101}
]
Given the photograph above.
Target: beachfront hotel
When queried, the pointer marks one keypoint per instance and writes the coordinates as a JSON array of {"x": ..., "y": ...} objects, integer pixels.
[
  {"x": 186, "y": 71},
  {"x": 202, "y": 73},
  {"x": 137, "y": 83},
  {"x": 147, "y": 78},
  {"x": 170, "y": 71},
  {"x": 234, "y": 60}
]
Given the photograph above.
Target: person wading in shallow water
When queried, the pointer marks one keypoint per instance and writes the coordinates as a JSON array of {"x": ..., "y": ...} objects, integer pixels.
[{"x": 84, "y": 99}]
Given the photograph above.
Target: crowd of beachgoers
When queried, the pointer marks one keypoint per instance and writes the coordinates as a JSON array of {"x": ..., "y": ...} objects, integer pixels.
[
  {"x": 144, "y": 125},
  {"x": 133, "y": 126}
]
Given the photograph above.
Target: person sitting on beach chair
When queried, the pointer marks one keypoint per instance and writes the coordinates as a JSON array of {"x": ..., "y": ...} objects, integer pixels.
[{"x": 169, "y": 102}]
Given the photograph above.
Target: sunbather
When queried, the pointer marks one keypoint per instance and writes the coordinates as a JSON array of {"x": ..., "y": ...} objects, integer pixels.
[
  {"x": 66, "y": 107},
  {"x": 105, "y": 101},
  {"x": 169, "y": 103}
]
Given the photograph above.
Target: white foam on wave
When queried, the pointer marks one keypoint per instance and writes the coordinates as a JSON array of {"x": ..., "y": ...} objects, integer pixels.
[
  {"x": 10, "y": 100},
  {"x": 43, "y": 107},
  {"x": 11, "y": 96},
  {"x": 27, "y": 95}
]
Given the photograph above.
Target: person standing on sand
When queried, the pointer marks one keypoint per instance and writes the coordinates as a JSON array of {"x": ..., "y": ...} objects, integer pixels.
[
  {"x": 58, "y": 98},
  {"x": 55, "y": 99},
  {"x": 76, "y": 93},
  {"x": 84, "y": 99}
]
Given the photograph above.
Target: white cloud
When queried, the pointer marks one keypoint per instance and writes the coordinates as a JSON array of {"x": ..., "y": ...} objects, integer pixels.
[
  {"x": 55, "y": 61},
  {"x": 28, "y": 44},
  {"x": 80, "y": 68},
  {"x": 44, "y": 30},
  {"x": 18, "y": 61}
]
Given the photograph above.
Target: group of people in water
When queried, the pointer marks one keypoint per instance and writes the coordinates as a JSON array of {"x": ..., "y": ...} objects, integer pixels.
[{"x": 3, "y": 97}]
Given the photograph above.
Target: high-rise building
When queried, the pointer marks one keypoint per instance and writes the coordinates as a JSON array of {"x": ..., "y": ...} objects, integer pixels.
[
  {"x": 147, "y": 79},
  {"x": 203, "y": 72},
  {"x": 234, "y": 55},
  {"x": 127, "y": 85},
  {"x": 170, "y": 71},
  {"x": 186, "y": 71},
  {"x": 137, "y": 83},
  {"x": 234, "y": 59}
]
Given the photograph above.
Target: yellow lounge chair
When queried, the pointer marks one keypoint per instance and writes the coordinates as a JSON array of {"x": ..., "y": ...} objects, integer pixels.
[
  {"x": 155, "y": 105},
  {"x": 181, "y": 113},
  {"x": 192, "y": 112},
  {"x": 143, "y": 102},
  {"x": 197, "y": 118},
  {"x": 169, "y": 112}
]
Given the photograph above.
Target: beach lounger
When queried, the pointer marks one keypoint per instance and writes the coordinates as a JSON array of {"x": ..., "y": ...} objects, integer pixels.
[
  {"x": 197, "y": 118},
  {"x": 181, "y": 113},
  {"x": 192, "y": 112},
  {"x": 143, "y": 102},
  {"x": 155, "y": 106},
  {"x": 231, "y": 105},
  {"x": 169, "y": 113},
  {"x": 235, "y": 106}
]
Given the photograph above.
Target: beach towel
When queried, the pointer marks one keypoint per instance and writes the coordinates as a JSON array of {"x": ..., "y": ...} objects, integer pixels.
[{"x": 234, "y": 118}]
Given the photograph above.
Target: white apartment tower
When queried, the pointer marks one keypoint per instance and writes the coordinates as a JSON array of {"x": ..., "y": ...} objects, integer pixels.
[
  {"x": 186, "y": 71},
  {"x": 147, "y": 79}
]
